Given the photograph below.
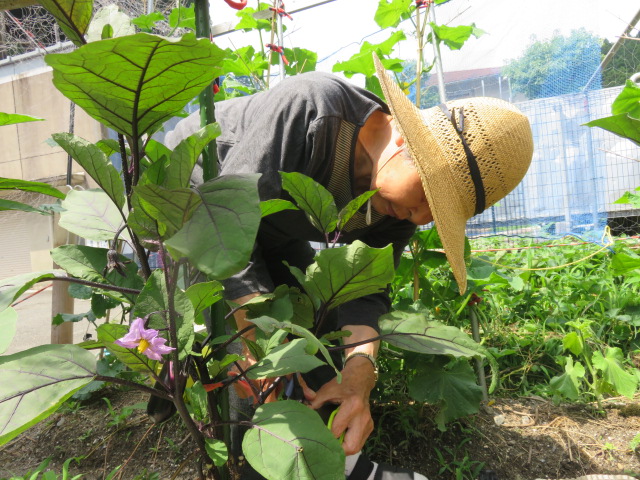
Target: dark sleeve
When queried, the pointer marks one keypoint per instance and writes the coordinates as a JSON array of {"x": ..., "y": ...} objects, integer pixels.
[{"x": 368, "y": 309}]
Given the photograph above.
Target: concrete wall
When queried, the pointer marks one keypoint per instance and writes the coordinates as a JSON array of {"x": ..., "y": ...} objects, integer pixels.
[
  {"x": 27, "y": 238},
  {"x": 24, "y": 152}
]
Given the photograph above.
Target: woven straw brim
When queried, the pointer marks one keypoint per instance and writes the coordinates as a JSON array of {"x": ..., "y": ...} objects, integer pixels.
[{"x": 498, "y": 134}]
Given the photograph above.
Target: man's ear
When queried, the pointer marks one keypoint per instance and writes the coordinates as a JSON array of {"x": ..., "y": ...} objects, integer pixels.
[{"x": 397, "y": 138}]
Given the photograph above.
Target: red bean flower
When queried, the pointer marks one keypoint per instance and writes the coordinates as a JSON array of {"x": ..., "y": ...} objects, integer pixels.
[{"x": 145, "y": 340}]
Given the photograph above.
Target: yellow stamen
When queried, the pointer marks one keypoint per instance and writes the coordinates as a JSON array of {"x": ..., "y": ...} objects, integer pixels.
[{"x": 143, "y": 345}]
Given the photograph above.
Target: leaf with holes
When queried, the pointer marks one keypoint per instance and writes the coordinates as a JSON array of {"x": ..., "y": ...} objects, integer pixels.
[
  {"x": 73, "y": 17},
  {"x": 300, "y": 445},
  {"x": 134, "y": 84},
  {"x": 219, "y": 237},
  {"x": 37, "y": 381}
]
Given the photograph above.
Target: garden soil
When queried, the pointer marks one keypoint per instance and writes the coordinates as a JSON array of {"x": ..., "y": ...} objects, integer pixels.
[{"x": 516, "y": 439}]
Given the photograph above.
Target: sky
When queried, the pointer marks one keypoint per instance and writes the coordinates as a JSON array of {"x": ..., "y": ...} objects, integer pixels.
[{"x": 336, "y": 29}]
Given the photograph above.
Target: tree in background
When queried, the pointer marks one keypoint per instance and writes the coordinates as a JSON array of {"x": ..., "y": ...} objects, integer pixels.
[
  {"x": 557, "y": 66},
  {"x": 623, "y": 64}
]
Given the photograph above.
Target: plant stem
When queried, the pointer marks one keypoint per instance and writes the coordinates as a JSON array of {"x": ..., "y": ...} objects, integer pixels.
[
  {"x": 102, "y": 286},
  {"x": 178, "y": 398},
  {"x": 129, "y": 383}
]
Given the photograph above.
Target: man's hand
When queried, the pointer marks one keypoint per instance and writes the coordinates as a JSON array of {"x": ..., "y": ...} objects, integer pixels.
[
  {"x": 249, "y": 388},
  {"x": 352, "y": 394}
]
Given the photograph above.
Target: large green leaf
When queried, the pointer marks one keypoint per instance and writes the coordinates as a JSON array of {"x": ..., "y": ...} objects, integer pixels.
[
  {"x": 390, "y": 12},
  {"x": 204, "y": 294},
  {"x": 95, "y": 162},
  {"x": 610, "y": 364},
  {"x": 287, "y": 358},
  {"x": 89, "y": 263},
  {"x": 453, "y": 388},
  {"x": 146, "y": 23},
  {"x": 245, "y": 62},
  {"x": 8, "y": 321},
  {"x": 11, "y": 118},
  {"x": 134, "y": 84},
  {"x": 139, "y": 220},
  {"x": 73, "y": 17},
  {"x": 170, "y": 208},
  {"x": 27, "y": 186},
  {"x": 219, "y": 237},
  {"x": 628, "y": 101},
  {"x": 183, "y": 17},
  {"x": 454, "y": 37},
  {"x": 92, "y": 215},
  {"x": 414, "y": 332},
  {"x": 108, "y": 333},
  {"x": 284, "y": 304},
  {"x": 362, "y": 62},
  {"x": 37, "y": 381},
  {"x": 300, "y": 60},
  {"x": 185, "y": 155},
  {"x": 300, "y": 445},
  {"x": 11, "y": 288},
  {"x": 118, "y": 24},
  {"x": 313, "y": 345},
  {"x": 154, "y": 301},
  {"x": 568, "y": 384},
  {"x": 623, "y": 262},
  {"x": 313, "y": 198},
  {"x": 217, "y": 451},
  {"x": 622, "y": 125},
  {"x": 346, "y": 273}
]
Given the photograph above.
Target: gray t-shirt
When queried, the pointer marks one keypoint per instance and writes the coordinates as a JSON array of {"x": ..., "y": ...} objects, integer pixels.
[{"x": 309, "y": 124}]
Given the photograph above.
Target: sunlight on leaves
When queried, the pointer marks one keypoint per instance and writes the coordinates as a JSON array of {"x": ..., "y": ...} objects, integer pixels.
[{"x": 134, "y": 84}]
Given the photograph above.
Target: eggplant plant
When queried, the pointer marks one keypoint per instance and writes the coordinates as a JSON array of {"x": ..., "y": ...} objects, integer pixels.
[{"x": 199, "y": 236}]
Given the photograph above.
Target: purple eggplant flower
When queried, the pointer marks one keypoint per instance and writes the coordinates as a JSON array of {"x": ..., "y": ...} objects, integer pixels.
[{"x": 145, "y": 340}]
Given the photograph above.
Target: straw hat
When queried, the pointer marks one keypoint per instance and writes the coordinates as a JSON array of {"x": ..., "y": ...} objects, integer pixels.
[{"x": 469, "y": 153}]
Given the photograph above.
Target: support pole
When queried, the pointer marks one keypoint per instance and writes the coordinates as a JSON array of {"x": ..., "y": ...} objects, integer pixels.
[
  {"x": 207, "y": 109},
  {"x": 61, "y": 301},
  {"x": 280, "y": 37},
  {"x": 436, "y": 53}
]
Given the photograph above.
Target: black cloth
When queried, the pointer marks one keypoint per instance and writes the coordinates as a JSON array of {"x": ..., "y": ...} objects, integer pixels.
[{"x": 294, "y": 127}]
